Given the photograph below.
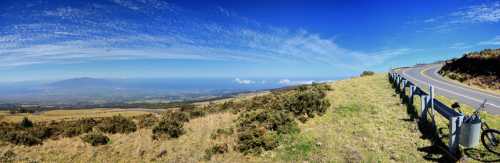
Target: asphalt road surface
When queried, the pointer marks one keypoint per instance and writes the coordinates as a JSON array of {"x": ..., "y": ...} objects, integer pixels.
[{"x": 425, "y": 74}]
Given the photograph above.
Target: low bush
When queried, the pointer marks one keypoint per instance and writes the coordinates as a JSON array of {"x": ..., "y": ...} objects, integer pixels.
[
  {"x": 267, "y": 117},
  {"x": 256, "y": 140},
  {"x": 367, "y": 73},
  {"x": 117, "y": 124},
  {"x": 216, "y": 149},
  {"x": 21, "y": 138},
  {"x": 172, "y": 128},
  {"x": 26, "y": 123},
  {"x": 171, "y": 124},
  {"x": 43, "y": 132},
  {"x": 193, "y": 111},
  {"x": 78, "y": 127},
  {"x": 175, "y": 115},
  {"x": 95, "y": 138},
  {"x": 146, "y": 121}
]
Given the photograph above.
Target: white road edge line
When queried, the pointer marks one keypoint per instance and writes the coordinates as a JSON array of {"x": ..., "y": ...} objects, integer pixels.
[{"x": 470, "y": 98}]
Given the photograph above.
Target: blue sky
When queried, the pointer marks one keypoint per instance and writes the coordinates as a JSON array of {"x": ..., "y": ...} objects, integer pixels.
[{"x": 58, "y": 39}]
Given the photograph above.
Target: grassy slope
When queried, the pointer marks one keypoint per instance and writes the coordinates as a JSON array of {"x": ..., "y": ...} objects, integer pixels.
[
  {"x": 365, "y": 123},
  {"x": 134, "y": 147}
]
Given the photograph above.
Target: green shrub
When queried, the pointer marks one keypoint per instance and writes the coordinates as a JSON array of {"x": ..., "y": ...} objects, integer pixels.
[
  {"x": 146, "y": 121},
  {"x": 187, "y": 107},
  {"x": 267, "y": 117},
  {"x": 26, "y": 123},
  {"x": 175, "y": 116},
  {"x": 198, "y": 112},
  {"x": 169, "y": 127},
  {"x": 193, "y": 111},
  {"x": 95, "y": 138},
  {"x": 216, "y": 149},
  {"x": 256, "y": 140},
  {"x": 274, "y": 120},
  {"x": 117, "y": 124},
  {"x": 42, "y": 132},
  {"x": 367, "y": 73},
  {"x": 171, "y": 124},
  {"x": 21, "y": 138},
  {"x": 78, "y": 127}
]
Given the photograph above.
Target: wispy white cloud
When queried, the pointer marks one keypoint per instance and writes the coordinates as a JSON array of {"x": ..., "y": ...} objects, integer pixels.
[
  {"x": 488, "y": 12},
  {"x": 95, "y": 32},
  {"x": 461, "y": 46},
  {"x": 494, "y": 41}
]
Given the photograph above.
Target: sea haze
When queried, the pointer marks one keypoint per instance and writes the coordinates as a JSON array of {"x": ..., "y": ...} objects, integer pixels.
[{"x": 98, "y": 91}]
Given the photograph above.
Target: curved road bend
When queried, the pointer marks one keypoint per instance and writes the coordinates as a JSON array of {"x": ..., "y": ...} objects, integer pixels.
[{"x": 423, "y": 75}]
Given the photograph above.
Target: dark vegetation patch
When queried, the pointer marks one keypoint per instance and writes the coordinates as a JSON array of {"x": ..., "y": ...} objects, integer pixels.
[
  {"x": 222, "y": 132},
  {"x": 117, "y": 124},
  {"x": 478, "y": 68},
  {"x": 171, "y": 124},
  {"x": 193, "y": 111},
  {"x": 95, "y": 138},
  {"x": 146, "y": 121},
  {"x": 216, "y": 149},
  {"x": 29, "y": 133},
  {"x": 263, "y": 119},
  {"x": 367, "y": 73}
]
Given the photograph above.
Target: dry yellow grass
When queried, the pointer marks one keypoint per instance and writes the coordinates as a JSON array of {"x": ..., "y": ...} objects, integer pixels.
[
  {"x": 58, "y": 115},
  {"x": 138, "y": 146}
]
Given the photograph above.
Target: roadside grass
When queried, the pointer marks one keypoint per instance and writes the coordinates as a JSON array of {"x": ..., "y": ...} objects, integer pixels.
[
  {"x": 441, "y": 139},
  {"x": 366, "y": 123},
  {"x": 58, "y": 115},
  {"x": 478, "y": 153}
]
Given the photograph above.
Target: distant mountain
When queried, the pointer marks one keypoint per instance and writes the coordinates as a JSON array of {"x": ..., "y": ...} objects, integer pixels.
[
  {"x": 88, "y": 90},
  {"x": 84, "y": 82}
]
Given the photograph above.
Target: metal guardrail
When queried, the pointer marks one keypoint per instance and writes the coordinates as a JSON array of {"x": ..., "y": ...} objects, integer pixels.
[{"x": 428, "y": 105}]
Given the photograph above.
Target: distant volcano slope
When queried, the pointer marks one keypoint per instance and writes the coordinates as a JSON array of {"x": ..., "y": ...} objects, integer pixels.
[{"x": 477, "y": 68}]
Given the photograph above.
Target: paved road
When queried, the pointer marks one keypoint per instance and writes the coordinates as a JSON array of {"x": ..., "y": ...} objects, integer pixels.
[{"x": 423, "y": 75}]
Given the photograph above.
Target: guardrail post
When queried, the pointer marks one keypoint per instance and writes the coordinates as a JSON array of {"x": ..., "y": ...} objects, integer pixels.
[
  {"x": 430, "y": 99},
  {"x": 431, "y": 95},
  {"x": 423, "y": 106},
  {"x": 454, "y": 123},
  {"x": 404, "y": 86},
  {"x": 412, "y": 93},
  {"x": 398, "y": 86}
]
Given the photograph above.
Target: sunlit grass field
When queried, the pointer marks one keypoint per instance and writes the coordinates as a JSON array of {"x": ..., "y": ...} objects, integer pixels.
[{"x": 59, "y": 115}]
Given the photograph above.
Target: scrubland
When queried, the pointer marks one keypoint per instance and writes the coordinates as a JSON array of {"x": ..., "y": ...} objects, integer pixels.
[{"x": 354, "y": 120}]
